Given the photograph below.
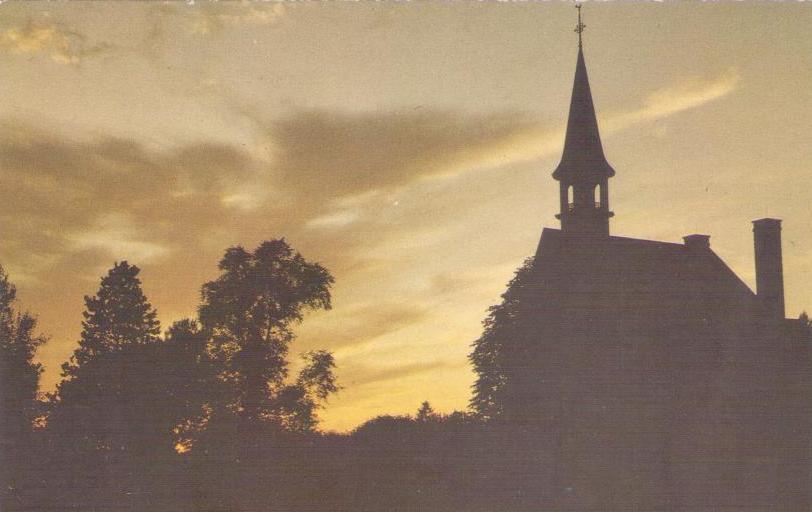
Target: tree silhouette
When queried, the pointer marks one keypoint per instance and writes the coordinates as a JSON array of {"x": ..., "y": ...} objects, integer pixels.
[
  {"x": 19, "y": 373},
  {"x": 19, "y": 380},
  {"x": 491, "y": 354},
  {"x": 117, "y": 316},
  {"x": 316, "y": 381},
  {"x": 107, "y": 398},
  {"x": 425, "y": 413},
  {"x": 249, "y": 311},
  {"x": 140, "y": 400},
  {"x": 128, "y": 398}
]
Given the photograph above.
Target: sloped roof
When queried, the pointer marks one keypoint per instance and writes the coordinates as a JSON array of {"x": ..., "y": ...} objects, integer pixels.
[
  {"x": 638, "y": 278},
  {"x": 583, "y": 151}
]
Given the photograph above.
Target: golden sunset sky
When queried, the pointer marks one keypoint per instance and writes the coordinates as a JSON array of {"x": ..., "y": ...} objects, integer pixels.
[{"x": 407, "y": 146}]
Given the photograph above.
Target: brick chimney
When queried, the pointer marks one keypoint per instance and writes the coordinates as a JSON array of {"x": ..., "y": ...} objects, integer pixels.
[{"x": 769, "y": 268}]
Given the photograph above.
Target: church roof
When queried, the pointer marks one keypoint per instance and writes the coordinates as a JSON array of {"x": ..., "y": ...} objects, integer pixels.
[
  {"x": 583, "y": 152},
  {"x": 630, "y": 278}
]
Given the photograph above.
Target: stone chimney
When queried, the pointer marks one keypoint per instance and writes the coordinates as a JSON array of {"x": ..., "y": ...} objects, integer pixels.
[{"x": 769, "y": 268}]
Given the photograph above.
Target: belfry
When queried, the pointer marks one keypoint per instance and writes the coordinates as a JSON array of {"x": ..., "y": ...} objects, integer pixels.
[{"x": 583, "y": 172}]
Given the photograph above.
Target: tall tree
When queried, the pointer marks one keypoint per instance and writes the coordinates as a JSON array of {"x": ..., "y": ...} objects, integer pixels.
[
  {"x": 97, "y": 399},
  {"x": 491, "y": 356},
  {"x": 141, "y": 399},
  {"x": 118, "y": 315},
  {"x": 250, "y": 310},
  {"x": 19, "y": 380},
  {"x": 120, "y": 419}
]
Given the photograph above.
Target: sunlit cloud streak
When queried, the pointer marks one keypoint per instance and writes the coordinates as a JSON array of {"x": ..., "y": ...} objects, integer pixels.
[{"x": 55, "y": 41}]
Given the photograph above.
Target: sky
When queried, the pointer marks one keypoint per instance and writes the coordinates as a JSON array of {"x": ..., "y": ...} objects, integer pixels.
[{"x": 406, "y": 146}]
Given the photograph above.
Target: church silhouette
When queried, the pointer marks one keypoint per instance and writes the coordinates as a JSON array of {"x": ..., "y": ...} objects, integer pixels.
[{"x": 657, "y": 380}]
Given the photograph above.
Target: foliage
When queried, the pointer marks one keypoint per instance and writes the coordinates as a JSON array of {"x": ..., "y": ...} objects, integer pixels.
[
  {"x": 19, "y": 379},
  {"x": 19, "y": 374},
  {"x": 249, "y": 312},
  {"x": 114, "y": 395},
  {"x": 491, "y": 350},
  {"x": 316, "y": 381},
  {"x": 140, "y": 399},
  {"x": 117, "y": 316},
  {"x": 425, "y": 413}
]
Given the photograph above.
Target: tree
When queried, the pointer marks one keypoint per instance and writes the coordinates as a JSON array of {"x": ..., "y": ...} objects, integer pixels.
[
  {"x": 491, "y": 354},
  {"x": 249, "y": 312},
  {"x": 118, "y": 315},
  {"x": 804, "y": 320},
  {"x": 18, "y": 371},
  {"x": 425, "y": 413},
  {"x": 316, "y": 381},
  {"x": 19, "y": 381},
  {"x": 99, "y": 399},
  {"x": 142, "y": 399}
]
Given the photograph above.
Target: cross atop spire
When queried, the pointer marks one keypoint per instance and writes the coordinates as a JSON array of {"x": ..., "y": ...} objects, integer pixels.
[{"x": 579, "y": 28}]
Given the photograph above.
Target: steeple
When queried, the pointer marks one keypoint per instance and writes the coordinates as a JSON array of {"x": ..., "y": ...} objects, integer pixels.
[{"x": 583, "y": 172}]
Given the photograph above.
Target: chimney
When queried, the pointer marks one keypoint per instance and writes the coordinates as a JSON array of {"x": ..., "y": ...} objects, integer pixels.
[
  {"x": 769, "y": 269},
  {"x": 697, "y": 242}
]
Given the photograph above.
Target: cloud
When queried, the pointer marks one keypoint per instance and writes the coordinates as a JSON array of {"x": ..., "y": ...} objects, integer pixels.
[
  {"x": 333, "y": 155},
  {"x": 114, "y": 196},
  {"x": 324, "y": 157},
  {"x": 118, "y": 235},
  {"x": 359, "y": 323},
  {"x": 364, "y": 376},
  {"x": 334, "y": 220},
  {"x": 690, "y": 94},
  {"x": 328, "y": 171},
  {"x": 53, "y": 40},
  {"x": 208, "y": 18}
]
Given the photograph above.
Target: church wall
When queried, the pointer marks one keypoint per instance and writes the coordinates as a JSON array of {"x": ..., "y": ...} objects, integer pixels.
[{"x": 656, "y": 399}]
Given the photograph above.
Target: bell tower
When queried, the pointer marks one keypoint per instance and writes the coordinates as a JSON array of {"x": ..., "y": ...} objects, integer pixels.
[{"x": 583, "y": 173}]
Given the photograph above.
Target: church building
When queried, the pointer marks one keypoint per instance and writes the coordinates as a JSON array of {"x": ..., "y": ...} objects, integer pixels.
[{"x": 659, "y": 379}]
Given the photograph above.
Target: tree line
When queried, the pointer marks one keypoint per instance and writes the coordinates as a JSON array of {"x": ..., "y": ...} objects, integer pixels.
[
  {"x": 208, "y": 414},
  {"x": 130, "y": 395}
]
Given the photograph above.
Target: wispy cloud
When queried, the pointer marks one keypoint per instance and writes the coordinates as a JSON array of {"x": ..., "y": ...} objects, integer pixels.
[
  {"x": 118, "y": 235},
  {"x": 334, "y": 220},
  {"x": 690, "y": 94},
  {"x": 207, "y": 18},
  {"x": 330, "y": 156},
  {"x": 365, "y": 376},
  {"x": 328, "y": 170},
  {"x": 55, "y": 41},
  {"x": 112, "y": 198},
  {"x": 338, "y": 154},
  {"x": 360, "y": 323}
]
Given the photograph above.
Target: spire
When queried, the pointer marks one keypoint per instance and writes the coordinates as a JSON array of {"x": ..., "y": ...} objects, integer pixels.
[
  {"x": 583, "y": 152},
  {"x": 583, "y": 174}
]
